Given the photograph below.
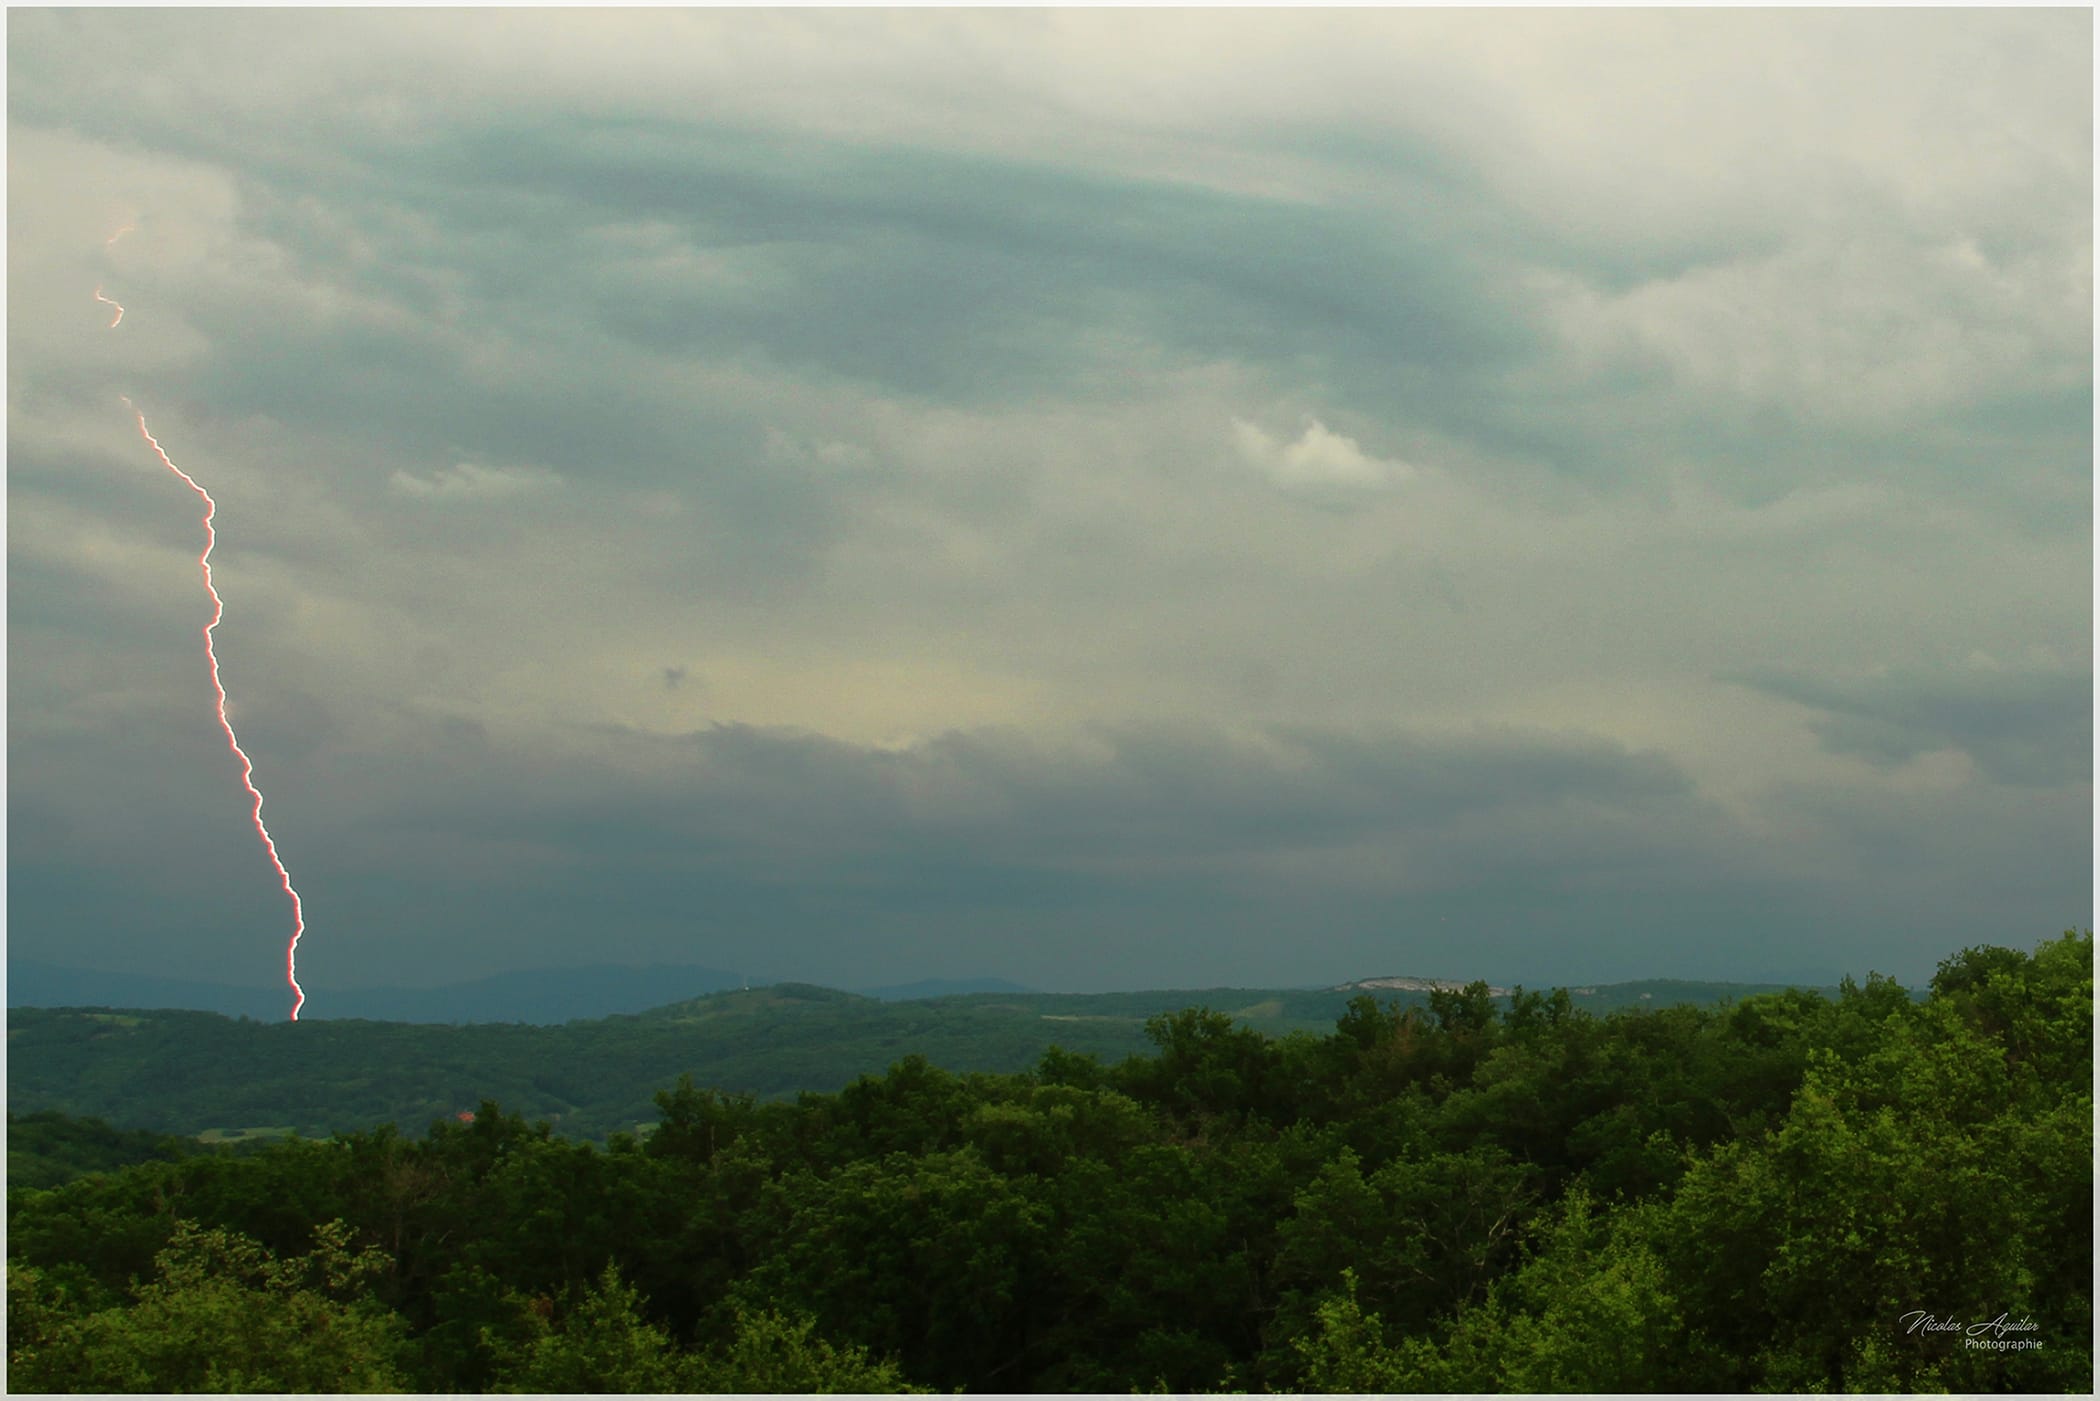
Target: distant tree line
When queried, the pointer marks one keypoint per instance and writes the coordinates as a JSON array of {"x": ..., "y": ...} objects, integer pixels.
[
  {"x": 1793, "y": 1193},
  {"x": 48, "y": 1148}
]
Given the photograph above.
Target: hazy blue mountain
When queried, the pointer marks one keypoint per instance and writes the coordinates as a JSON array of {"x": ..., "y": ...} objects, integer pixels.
[
  {"x": 543, "y": 996},
  {"x": 551, "y": 996},
  {"x": 941, "y": 987},
  {"x": 34, "y": 984}
]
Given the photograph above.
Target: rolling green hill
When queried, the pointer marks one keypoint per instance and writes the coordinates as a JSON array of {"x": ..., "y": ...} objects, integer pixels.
[{"x": 194, "y": 1073}]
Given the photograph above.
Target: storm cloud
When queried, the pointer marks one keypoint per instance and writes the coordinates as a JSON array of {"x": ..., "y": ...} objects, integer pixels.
[{"x": 1091, "y": 498}]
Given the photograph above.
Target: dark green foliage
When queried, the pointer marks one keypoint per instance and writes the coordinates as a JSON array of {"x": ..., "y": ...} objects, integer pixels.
[
  {"x": 220, "y": 1314},
  {"x": 931, "y": 1257},
  {"x": 1447, "y": 1193},
  {"x": 47, "y": 1148},
  {"x": 771, "y": 1352},
  {"x": 603, "y": 1344}
]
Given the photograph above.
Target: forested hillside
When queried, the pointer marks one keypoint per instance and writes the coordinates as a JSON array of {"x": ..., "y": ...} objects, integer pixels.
[
  {"x": 196, "y": 1072},
  {"x": 1790, "y": 1193},
  {"x": 46, "y": 1148}
]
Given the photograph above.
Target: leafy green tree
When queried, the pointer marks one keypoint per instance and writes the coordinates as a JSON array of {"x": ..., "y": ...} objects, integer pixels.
[
  {"x": 38, "y": 1317},
  {"x": 771, "y": 1352},
  {"x": 696, "y": 1124},
  {"x": 477, "y": 1328},
  {"x": 1043, "y": 1128},
  {"x": 1465, "y": 1012},
  {"x": 1591, "y": 1310},
  {"x": 1207, "y": 1065},
  {"x": 935, "y": 1260},
  {"x": 1386, "y": 1049},
  {"x": 2037, "y": 1006},
  {"x": 1533, "y": 1014},
  {"x": 1058, "y": 1066},
  {"x": 223, "y": 1314},
  {"x": 1160, "y": 1263},
  {"x": 1418, "y": 1237},
  {"x": 1918, "y": 1175},
  {"x": 603, "y": 1345},
  {"x": 47, "y": 1148},
  {"x": 1346, "y": 1350},
  {"x": 96, "y": 1233}
]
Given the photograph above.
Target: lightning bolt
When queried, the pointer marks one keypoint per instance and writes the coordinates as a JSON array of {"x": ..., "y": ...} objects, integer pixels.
[{"x": 211, "y": 656}]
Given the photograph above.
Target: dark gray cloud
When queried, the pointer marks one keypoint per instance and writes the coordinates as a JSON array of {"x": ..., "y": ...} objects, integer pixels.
[
  {"x": 1292, "y": 857},
  {"x": 1571, "y": 851},
  {"x": 2029, "y": 727}
]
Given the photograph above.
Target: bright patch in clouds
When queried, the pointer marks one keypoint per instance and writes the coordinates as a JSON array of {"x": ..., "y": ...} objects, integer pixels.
[{"x": 1319, "y": 458}]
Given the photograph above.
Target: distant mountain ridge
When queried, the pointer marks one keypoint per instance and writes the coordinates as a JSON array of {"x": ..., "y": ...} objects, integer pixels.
[
  {"x": 553, "y": 996},
  {"x": 941, "y": 987},
  {"x": 31, "y": 983},
  {"x": 538, "y": 996},
  {"x": 1604, "y": 996}
]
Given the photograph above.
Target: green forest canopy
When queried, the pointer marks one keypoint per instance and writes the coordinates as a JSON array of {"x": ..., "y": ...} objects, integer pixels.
[{"x": 1458, "y": 1195}]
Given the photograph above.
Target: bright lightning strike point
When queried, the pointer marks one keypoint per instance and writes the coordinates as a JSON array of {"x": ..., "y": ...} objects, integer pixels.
[
  {"x": 218, "y": 610},
  {"x": 106, "y": 301}
]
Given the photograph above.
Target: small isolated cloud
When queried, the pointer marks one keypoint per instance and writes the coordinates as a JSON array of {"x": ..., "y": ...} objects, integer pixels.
[
  {"x": 468, "y": 482},
  {"x": 1319, "y": 458},
  {"x": 674, "y": 677}
]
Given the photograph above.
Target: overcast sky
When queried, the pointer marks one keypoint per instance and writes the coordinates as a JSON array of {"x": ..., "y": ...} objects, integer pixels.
[{"x": 1096, "y": 498}]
